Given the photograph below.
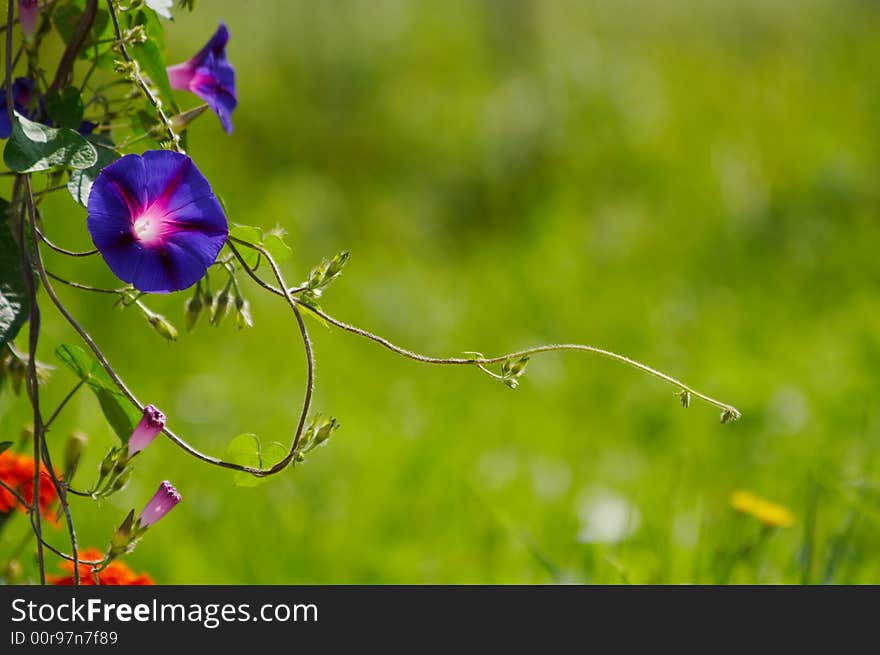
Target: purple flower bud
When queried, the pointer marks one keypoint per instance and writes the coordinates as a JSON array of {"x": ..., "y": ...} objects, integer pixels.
[
  {"x": 210, "y": 76},
  {"x": 28, "y": 13},
  {"x": 152, "y": 423},
  {"x": 162, "y": 502}
]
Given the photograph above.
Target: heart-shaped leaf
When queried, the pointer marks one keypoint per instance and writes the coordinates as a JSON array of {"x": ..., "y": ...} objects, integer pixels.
[{"x": 36, "y": 147}]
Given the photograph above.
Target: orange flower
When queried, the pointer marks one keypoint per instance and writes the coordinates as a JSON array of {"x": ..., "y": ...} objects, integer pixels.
[
  {"x": 116, "y": 573},
  {"x": 18, "y": 472}
]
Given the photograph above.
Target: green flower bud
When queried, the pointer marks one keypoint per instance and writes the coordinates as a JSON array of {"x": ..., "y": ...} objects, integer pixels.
[
  {"x": 729, "y": 415},
  {"x": 325, "y": 430},
  {"x": 108, "y": 463},
  {"x": 163, "y": 327},
  {"x": 73, "y": 450},
  {"x": 221, "y": 307},
  {"x": 243, "y": 313},
  {"x": 121, "y": 540},
  {"x": 180, "y": 122},
  {"x": 191, "y": 311},
  {"x": 16, "y": 370},
  {"x": 121, "y": 481}
]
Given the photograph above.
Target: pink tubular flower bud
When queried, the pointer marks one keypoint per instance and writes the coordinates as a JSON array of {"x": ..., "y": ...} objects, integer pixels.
[
  {"x": 152, "y": 423},
  {"x": 28, "y": 14},
  {"x": 162, "y": 502}
]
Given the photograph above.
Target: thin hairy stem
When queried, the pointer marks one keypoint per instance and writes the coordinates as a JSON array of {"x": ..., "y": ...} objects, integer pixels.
[
  {"x": 480, "y": 361},
  {"x": 64, "y": 251},
  {"x": 139, "y": 80},
  {"x": 310, "y": 358},
  {"x": 63, "y": 403},
  {"x": 82, "y": 287}
]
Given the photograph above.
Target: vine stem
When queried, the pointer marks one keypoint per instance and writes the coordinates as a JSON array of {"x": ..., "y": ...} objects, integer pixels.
[
  {"x": 41, "y": 449},
  {"x": 64, "y": 72},
  {"x": 18, "y": 496},
  {"x": 294, "y": 303},
  {"x": 65, "y": 251},
  {"x": 479, "y": 361},
  {"x": 31, "y": 382},
  {"x": 10, "y": 106},
  {"x": 117, "y": 380},
  {"x": 139, "y": 80},
  {"x": 63, "y": 404}
]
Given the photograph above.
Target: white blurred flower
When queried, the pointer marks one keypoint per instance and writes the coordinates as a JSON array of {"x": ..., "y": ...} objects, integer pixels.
[
  {"x": 605, "y": 517},
  {"x": 161, "y": 7}
]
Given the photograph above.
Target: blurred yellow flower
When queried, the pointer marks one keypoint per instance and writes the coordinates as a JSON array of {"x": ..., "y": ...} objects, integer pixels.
[{"x": 770, "y": 514}]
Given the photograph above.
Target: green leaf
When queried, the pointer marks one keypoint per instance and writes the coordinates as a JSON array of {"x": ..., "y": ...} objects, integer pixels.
[
  {"x": 247, "y": 450},
  {"x": 149, "y": 57},
  {"x": 308, "y": 307},
  {"x": 81, "y": 181},
  {"x": 65, "y": 107},
  {"x": 120, "y": 413},
  {"x": 14, "y": 304},
  {"x": 76, "y": 359},
  {"x": 5, "y": 445},
  {"x": 276, "y": 247},
  {"x": 250, "y": 234},
  {"x": 36, "y": 147}
]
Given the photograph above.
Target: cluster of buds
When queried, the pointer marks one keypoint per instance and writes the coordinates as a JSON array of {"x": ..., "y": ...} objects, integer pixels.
[
  {"x": 322, "y": 275},
  {"x": 127, "y": 69},
  {"x": 115, "y": 468},
  {"x": 316, "y": 434},
  {"x": 512, "y": 369},
  {"x": 218, "y": 306},
  {"x": 132, "y": 529},
  {"x": 135, "y": 35}
]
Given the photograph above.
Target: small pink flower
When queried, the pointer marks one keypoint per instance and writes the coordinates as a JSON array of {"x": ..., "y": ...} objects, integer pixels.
[
  {"x": 152, "y": 423},
  {"x": 162, "y": 502},
  {"x": 28, "y": 13}
]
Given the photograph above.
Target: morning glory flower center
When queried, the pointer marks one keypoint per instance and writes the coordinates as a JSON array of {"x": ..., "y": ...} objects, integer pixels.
[{"x": 148, "y": 226}]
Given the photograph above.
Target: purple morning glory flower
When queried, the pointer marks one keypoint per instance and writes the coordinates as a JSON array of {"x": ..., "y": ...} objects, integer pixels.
[
  {"x": 210, "y": 76},
  {"x": 22, "y": 93},
  {"x": 162, "y": 502},
  {"x": 151, "y": 424},
  {"x": 156, "y": 221}
]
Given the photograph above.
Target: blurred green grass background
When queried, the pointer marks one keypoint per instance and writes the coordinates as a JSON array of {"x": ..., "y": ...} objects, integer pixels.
[{"x": 693, "y": 184}]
